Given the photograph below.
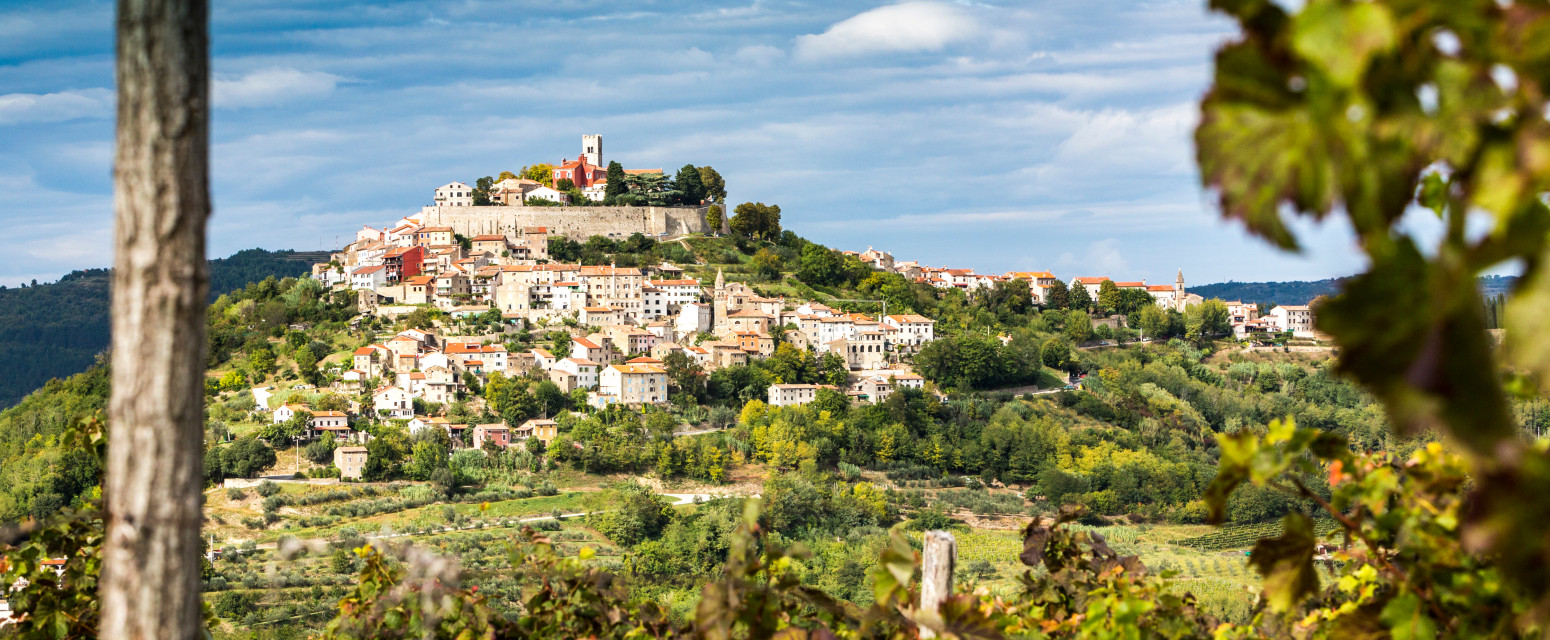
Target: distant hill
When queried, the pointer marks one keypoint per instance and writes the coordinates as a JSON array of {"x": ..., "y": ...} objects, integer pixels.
[
  {"x": 1301, "y": 291},
  {"x": 55, "y": 330}
]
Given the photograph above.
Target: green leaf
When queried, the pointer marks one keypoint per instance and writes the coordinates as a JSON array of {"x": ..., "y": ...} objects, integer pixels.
[
  {"x": 1406, "y": 618},
  {"x": 1286, "y": 563},
  {"x": 1340, "y": 38}
]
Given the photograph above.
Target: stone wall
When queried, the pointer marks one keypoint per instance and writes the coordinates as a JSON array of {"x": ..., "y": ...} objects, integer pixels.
[{"x": 576, "y": 223}]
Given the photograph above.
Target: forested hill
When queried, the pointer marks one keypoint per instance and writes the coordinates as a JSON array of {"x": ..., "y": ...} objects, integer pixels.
[
  {"x": 1294, "y": 292},
  {"x": 55, "y": 330},
  {"x": 1301, "y": 291}
]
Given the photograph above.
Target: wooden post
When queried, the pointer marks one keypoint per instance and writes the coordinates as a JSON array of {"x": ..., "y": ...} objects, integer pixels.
[
  {"x": 936, "y": 576},
  {"x": 150, "y": 574}
]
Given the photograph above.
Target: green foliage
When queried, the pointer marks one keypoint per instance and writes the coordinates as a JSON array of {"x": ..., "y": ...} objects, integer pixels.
[
  {"x": 244, "y": 458},
  {"x": 756, "y": 220},
  {"x": 629, "y": 513},
  {"x": 715, "y": 186},
  {"x": 969, "y": 361}
]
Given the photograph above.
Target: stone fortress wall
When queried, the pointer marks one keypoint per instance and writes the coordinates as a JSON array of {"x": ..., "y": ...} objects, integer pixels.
[{"x": 576, "y": 223}]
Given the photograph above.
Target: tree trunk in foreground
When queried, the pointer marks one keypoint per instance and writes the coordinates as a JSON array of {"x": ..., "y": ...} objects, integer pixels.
[
  {"x": 936, "y": 575},
  {"x": 150, "y": 575}
]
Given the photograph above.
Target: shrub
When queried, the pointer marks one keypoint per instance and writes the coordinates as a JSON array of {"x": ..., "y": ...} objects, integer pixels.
[
  {"x": 267, "y": 488},
  {"x": 235, "y": 493}
]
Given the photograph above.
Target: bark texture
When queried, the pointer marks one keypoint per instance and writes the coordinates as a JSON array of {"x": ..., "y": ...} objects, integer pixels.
[
  {"x": 936, "y": 576},
  {"x": 150, "y": 576}
]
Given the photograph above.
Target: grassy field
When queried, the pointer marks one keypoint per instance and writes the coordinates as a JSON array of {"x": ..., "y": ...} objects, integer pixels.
[{"x": 1222, "y": 581}]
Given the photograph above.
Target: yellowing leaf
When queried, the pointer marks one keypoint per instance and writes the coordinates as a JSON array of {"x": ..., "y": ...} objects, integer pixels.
[{"x": 1341, "y": 37}]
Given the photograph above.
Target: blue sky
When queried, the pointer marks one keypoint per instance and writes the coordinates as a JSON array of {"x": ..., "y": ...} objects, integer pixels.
[{"x": 1047, "y": 134}]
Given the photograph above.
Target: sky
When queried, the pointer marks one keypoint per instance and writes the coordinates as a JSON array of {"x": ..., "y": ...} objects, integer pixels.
[{"x": 998, "y": 136}]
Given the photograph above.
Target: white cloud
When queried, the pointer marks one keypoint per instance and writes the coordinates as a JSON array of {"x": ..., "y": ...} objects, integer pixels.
[
  {"x": 1102, "y": 258},
  {"x": 272, "y": 86},
  {"x": 17, "y": 108},
  {"x": 904, "y": 27},
  {"x": 758, "y": 54}
]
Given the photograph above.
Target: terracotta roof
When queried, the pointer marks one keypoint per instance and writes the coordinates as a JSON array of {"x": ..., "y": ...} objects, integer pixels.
[
  {"x": 638, "y": 368},
  {"x": 666, "y": 283},
  {"x": 910, "y": 317},
  {"x": 1091, "y": 280}
]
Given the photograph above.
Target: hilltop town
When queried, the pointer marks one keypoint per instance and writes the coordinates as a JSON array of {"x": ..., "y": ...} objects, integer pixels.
[{"x": 625, "y": 327}]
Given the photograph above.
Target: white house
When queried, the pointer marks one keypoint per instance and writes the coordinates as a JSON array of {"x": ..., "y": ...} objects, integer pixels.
[
  {"x": 634, "y": 383},
  {"x": 666, "y": 297},
  {"x": 546, "y": 193},
  {"x": 912, "y": 330},
  {"x": 791, "y": 395},
  {"x": 694, "y": 318},
  {"x": 336, "y": 422},
  {"x": 585, "y": 371},
  {"x": 368, "y": 277},
  {"x": 393, "y": 402},
  {"x": 286, "y": 412},
  {"x": 1297, "y": 319},
  {"x": 454, "y": 194}
]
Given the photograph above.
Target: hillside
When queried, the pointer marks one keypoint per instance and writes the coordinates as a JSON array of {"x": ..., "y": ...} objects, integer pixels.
[
  {"x": 56, "y": 329},
  {"x": 1301, "y": 291},
  {"x": 1291, "y": 292}
]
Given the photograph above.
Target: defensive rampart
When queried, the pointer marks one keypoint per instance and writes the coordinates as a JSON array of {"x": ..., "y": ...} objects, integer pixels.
[{"x": 576, "y": 223}]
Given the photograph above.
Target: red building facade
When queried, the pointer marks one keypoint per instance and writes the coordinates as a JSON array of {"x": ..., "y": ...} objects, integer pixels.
[{"x": 580, "y": 172}]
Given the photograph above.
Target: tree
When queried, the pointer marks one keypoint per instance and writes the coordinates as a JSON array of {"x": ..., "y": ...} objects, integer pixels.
[
  {"x": 1151, "y": 320},
  {"x": 1132, "y": 300},
  {"x": 714, "y": 217},
  {"x": 1108, "y": 297},
  {"x": 307, "y": 365},
  {"x": 430, "y": 454},
  {"x": 715, "y": 186},
  {"x": 564, "y": 184},
  {"x": 820, "y": 266},
  {"x": 481, "y": 191},
  {"x": 688, "y": 182},
  {"x": 766, "y": 264},
  {"x": 1079, "y": 297},
  {"x": 756, "y": 220},
  {"x": 1055, "y": 353},
  {"x": 542, "y": 173},
  {"x": 684, "y": 374},
  {"x": 1058, "y": 297},
  {"x": 616, "y": 182},
  {"x": 1209, "y": 318},
  {"x": 150, "y": 580},
  {"x": 506, "y": 175},
  {"x": 1079, "y": 327},
  {"x": 261, "y": 362}
]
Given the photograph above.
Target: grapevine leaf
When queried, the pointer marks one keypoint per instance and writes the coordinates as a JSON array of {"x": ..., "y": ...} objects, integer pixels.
[
  {"x": 1340, "y": 38},
  {"x": 1286, "y": 562},
  {"x": 1406, "y": 619}
]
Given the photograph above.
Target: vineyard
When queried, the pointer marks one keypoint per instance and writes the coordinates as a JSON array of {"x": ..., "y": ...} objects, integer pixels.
[{"x": 1244, "y": 536}]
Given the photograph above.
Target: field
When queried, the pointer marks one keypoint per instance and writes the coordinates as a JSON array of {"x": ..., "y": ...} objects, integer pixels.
[{"x": 1222, "y": 581}]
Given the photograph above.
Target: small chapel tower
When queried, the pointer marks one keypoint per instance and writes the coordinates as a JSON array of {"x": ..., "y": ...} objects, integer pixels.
[{"x": 719, "y": 302}]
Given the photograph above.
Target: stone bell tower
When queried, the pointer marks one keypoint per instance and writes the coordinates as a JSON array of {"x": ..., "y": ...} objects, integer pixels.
[
  {"x": 719, "y": 303},
  {"x": 592, "y": 149}
]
